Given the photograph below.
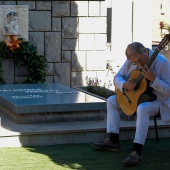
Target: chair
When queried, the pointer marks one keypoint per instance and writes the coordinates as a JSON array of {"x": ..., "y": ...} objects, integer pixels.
[
  {"x": 155, "y": 124},
  {"x": 156, "y": 127}
]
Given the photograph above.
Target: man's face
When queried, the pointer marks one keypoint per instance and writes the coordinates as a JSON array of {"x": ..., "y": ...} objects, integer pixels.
[
  {"x": 12, "y": 20},
  {"x": 137, "y": 58}
]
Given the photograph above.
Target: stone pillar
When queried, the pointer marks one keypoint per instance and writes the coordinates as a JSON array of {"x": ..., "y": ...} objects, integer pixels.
[
  {"x": 121, "y": 29},
  {"x": 142, "y": 22}
]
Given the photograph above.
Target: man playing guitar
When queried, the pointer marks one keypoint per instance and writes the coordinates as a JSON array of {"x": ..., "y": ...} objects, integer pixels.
[{"x": 153, "y": 70}]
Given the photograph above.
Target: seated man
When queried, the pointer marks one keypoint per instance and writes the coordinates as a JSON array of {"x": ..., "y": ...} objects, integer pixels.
[{"x": 159, "y": 80}]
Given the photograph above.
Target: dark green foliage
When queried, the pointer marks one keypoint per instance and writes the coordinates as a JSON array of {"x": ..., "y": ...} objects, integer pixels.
[
  {"x": 26, "y": 56},
  {"x": 100, "y": 91}
]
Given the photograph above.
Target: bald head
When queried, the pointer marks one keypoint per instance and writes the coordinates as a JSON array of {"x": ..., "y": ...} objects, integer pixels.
[
  {"x": 136, "y": 47},
  {"x": 137, "y": 54}
]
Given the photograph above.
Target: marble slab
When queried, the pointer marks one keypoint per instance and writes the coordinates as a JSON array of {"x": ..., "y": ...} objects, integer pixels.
[{"x": 33, "y": 98}]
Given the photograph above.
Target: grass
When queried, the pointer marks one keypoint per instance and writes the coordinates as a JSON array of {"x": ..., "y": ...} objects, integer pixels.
[{"x": 84, "y": 157}]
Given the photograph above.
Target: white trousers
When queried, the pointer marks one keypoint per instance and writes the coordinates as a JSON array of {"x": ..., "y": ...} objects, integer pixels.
[{"x": 144, "y": 112}]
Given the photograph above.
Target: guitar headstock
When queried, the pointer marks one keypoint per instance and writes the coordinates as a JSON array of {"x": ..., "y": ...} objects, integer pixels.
[{"x": 164, "y": 41}]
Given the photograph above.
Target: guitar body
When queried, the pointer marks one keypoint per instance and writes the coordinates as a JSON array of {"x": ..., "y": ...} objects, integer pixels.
[
  {"x": 135, "y": 97},
  {"x": 129, "y": 100}
]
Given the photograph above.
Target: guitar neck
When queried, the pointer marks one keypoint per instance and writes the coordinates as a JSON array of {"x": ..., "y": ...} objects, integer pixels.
[
  {"x": 153, "y": 57},
  {"x": 151, "y": 60}
]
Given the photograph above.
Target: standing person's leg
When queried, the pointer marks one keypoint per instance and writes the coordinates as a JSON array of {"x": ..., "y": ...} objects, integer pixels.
[
  {"x": 144, "y": 112},
  {"x": 113, "y": 124}
]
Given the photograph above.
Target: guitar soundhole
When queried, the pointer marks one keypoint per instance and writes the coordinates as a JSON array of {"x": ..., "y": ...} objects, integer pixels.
[{"x": 136, "y": 88}]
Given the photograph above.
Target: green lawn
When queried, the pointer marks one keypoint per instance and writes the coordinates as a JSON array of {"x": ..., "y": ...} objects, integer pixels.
[{"x": 84, "y": 157}]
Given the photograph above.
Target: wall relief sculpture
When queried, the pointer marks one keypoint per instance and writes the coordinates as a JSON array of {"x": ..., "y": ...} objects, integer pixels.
[{"x": 13, "y": 21}]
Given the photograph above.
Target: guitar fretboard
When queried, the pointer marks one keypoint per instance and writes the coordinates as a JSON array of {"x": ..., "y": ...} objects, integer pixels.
[
  {"x": 153, "y": 57},
  {"x": 151, "y": 60}
]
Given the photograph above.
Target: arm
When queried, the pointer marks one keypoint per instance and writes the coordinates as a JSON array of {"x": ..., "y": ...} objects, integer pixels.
[
  {"x": 161, "y": 83},
  {"x": 122, "y": 79}
]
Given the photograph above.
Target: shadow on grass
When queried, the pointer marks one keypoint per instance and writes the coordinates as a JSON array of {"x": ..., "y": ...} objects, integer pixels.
[{"x": 84, "y": 157}]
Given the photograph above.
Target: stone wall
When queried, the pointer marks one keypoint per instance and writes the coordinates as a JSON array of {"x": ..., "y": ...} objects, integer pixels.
[
  {"x": 159, "y": 14},
  {"x": 72, "y": 36}
]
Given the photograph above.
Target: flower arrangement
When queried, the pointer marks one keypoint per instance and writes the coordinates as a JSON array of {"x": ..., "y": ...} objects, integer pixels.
[
  {"x": 13, "y": 44},
  {"x": 24, "y": 54},
  {"x": 165, "y": 26}
]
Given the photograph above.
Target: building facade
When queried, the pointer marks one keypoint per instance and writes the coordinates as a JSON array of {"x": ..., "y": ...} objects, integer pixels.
[{"x": 79, "y": 38}]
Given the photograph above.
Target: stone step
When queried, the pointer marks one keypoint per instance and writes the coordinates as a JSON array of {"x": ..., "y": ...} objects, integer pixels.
[
  {"x": 17, "y": 135},
  {"x": 49, "y": 114}
]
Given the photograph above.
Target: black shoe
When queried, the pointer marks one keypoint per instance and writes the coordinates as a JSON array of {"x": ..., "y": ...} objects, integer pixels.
[
  {"x": 107, "y": 145},
  {"x": 133, "y": 158}
]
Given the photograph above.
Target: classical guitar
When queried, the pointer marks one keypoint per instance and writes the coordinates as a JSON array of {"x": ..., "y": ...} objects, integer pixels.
[{"x": 129, "y": 100}]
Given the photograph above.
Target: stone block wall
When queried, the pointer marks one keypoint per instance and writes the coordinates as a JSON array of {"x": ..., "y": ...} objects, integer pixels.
[
  {"x": 72, "y": 36},
  {"x": 159, "y": 13}
]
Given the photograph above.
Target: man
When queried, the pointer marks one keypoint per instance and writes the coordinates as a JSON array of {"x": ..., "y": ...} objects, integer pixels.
[{"x": 159, "y": 79}]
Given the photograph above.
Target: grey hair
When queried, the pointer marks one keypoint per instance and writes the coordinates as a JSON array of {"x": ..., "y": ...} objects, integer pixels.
[{"x": 138, "y": 47}]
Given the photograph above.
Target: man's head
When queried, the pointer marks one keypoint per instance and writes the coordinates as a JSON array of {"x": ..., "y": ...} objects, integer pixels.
[
  {"x": 137, "y": 53},
  {"x": 12, "y": 16}
]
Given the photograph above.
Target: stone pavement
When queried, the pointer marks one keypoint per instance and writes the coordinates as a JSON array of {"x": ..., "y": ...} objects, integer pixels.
[
  {"x": 57, "y": 99},
  {"x": 13, "y": 134}
]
